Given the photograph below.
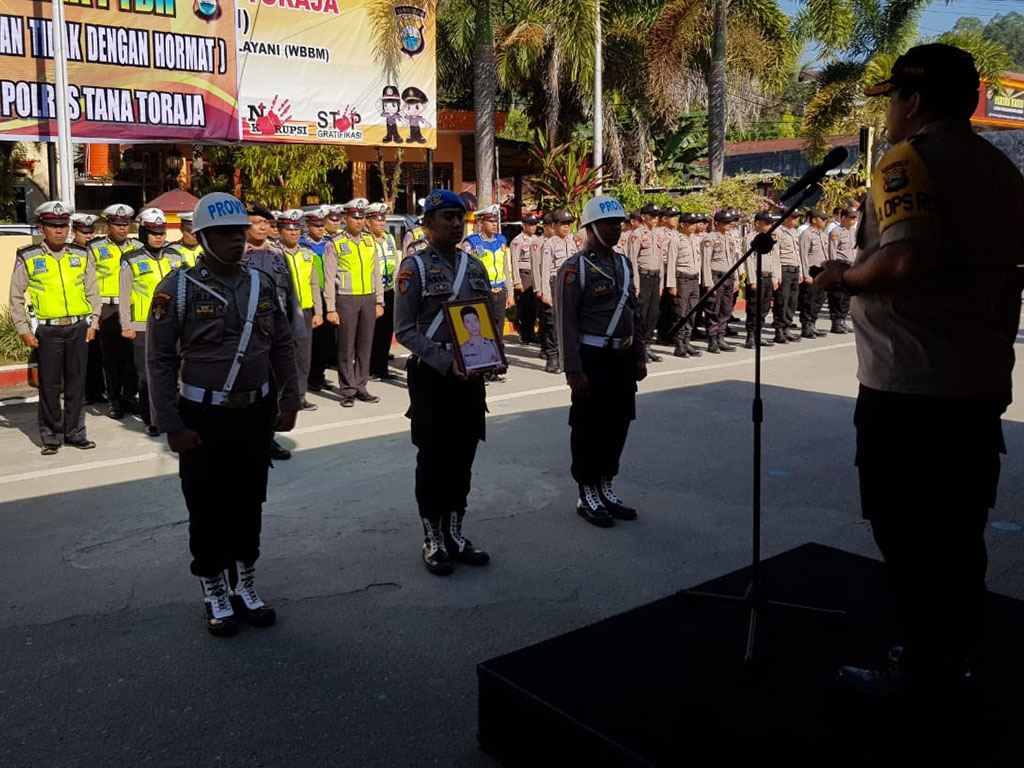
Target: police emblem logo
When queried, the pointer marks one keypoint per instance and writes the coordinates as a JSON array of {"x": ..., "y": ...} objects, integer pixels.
[
  {"x": 121, "y": 210},
  {"x": 58, "y": 209},
  {"x": 434, "y": 200},
  {"x": 896, "y": 179},
  {"x": 410, "y": 21}
]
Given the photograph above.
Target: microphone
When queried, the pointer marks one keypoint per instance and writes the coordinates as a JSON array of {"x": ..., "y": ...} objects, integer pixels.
[{"x": 817, "y": 173}]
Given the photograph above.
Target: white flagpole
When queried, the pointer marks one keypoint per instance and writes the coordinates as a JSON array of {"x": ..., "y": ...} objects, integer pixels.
[
  {"x": 598, "y": 97},
  {"x": 65, "y": 152}
]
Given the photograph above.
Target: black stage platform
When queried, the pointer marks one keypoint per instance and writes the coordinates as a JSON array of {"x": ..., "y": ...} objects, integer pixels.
[{"x": 664, "y": 684}]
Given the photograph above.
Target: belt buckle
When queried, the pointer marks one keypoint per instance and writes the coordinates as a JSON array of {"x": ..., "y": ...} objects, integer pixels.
[
  {"x": 626, "y": 343},
  {"x": 64, "y": 321},
  {"x": 237, "y": 400}
]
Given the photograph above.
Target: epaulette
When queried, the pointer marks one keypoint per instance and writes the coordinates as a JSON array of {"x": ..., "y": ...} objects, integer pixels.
[
  {"x": 419, "y": 245},
  {"x": 78, "y": 249},
  {"x": 32, "y": 249}
]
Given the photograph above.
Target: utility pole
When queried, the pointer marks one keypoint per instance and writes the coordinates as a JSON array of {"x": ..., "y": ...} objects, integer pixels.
[
  {"x": 65, "y": 152},
  {"x": 598, "y": 96}
]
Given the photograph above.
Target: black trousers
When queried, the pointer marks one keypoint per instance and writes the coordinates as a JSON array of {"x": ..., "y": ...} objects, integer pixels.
[
  {"x": 599, "y": 418},
  {"x": 225, "y": 482},
  {"x": 323, "y": 351},
  {"x": 303, "y": 352},
  {"x": 548, "y": 329},
  {"x": 383, "y": 333},
  {"x": 666, "y": 317},
  {"x": 142, "y": 382},
  {"x": 810, "y": 300},
  {"x": 95, "y": 386},
  {"x": 784, "y": 301},
  {"x": 355, "y": 341},
  {"x": 720, "y": 305},
  {"x": 687, "y": 294},
  {"x": 838, "y": 305},
  {"x": 929, "y": 468},
  {"x": 765, "y": 288},
  {"x": 526, "y": 311},
  {"x": 63, "y": 358},
  {"x": 650, "y": 301},
  {"x": 118, "y": 355},
  {"x": 498, "y": 301},
  {"x": 447, "y": 417}
]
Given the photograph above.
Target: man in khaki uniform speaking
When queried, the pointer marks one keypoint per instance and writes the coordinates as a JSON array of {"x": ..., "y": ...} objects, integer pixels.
[{"x": 937, "y": 308}]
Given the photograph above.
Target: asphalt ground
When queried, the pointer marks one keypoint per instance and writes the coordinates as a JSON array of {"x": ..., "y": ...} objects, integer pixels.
[{"x": 104, "y": 660}]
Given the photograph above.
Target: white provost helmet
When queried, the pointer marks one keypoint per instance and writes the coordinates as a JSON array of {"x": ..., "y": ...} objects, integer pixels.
[
  {"x": 219, "y": 209},
  {"x": 602, "y": 207}
]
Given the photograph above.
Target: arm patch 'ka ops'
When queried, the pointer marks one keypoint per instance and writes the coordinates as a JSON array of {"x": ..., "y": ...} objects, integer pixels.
[{"x": 902, "y": 188}]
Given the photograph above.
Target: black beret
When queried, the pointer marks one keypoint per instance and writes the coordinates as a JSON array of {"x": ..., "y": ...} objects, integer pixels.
[{"x": 258, "y": 209}]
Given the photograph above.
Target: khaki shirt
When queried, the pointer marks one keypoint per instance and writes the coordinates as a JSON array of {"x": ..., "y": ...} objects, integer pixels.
[
  {"x": 642, "y": 253},
  {"x": 19, "y": 283},
  {"x": 553, "y": 254},
  {"x": 420, "y": 296},
  {"x": 718, "y": 253},
  {"x": 841, "y": 245},
  {"x": 770, "y": 265},
  {"x": 951, "y": 333},
  {"x": 683, "y": 258},
  {"x": 201, "y": 344},
  {"x": 788, "y": 244},
  {"x": 521, "y": 254},
  {"x": 813, "y": 248},
  {"x": 586, "y": 305}
]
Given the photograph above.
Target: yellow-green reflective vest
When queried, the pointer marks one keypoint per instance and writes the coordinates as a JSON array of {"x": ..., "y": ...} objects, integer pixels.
[
  {"x": 188, "y": 255},
  {"x": 301, "y": 264},
  {"x": 56, "y": 287},
  {"x": 387, "y": 252},
  {"x": 107, "y": 255},
  {"x": 355, "y": 264},
  {"x": 147, "y": 273}
]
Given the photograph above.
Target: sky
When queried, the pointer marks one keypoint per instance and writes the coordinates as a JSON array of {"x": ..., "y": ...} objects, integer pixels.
[{"x": 940, "y": 16}]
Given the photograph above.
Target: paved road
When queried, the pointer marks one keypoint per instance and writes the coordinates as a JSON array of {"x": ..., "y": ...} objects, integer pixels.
[{"x": 105, "y": 661}]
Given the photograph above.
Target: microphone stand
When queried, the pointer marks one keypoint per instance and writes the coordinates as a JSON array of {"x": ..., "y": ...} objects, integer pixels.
[{"x": 754, "y": 597}]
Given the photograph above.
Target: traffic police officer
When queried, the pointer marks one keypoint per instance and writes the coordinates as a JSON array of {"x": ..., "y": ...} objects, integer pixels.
[
  {"x": 789, "y": 279},
  {"x": 491, "y": 247},
  {"x": 387, "y": 255},
  {"x": 684, "y": 269},
  {"x": 188, "y": 248},
  {"x": 841, "y": 248},
  {"x": 325, "y": 345},
  {"x": 61, "y": 283},
  {"x": 414, "y": 235},
  {"x": 301, "y": 263},
  {"x": 647, "y": 274},
  {"x": 555, "y": 251},
  {"x": 354, "y": 299},
  {"x": 446, "y": 404},
  {"x": 332, "y": 216},
  {"x": 524, "y": 250},
  {"x": 118, "y": 356},
  {"x": 141, "y": 272},
  {"x": 220, "y": 328},
  {"x": 83, "y": 229},
  {"x": 813, "y": 254},
  {"x": 602, "y": 345},
  {"x": 763, "y": 284},
  {"x": 719, "y": 252}
]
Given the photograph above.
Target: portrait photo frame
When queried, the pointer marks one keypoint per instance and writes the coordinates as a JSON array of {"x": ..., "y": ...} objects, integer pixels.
[{"x": 476, "y": 342}]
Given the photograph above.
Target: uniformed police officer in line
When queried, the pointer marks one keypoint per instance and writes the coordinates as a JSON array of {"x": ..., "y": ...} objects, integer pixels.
[
  {"x": 683, "y": 268},
  {"x": 647, "y": 273},
  {"x": 387, "y": 256},
  {"x": 792, "y": 274},
  {"x": 118, "y": 356},
  {"x": 813, "y": 253},
  {"x": 301, "y": 263},
  {"x": 937, "y": 308},
  {"x": 446, "y": 404},
  {"x": 491, "y": 248},
  {"x": 666, "y": 231},
  {"x": 766, "y": 282},
  {"x": 523, "y": 251},
  {"x": 354, "y": 300},
  {"x": 61, "y": 283},
  {"x": 325, "y": 343},
  {"x": 141, "y": 272},
  {"x": 719, "y": 251},
  {"x": 554, "y": 252},
  {"x": 221, "y": 422},
  {"x": 841, "y": 248},
  {"x": 275, "y": 228},
  {"x": 83, "y": 229},
  {"x": 414, "y": 235},
  {"x": 188, "y": 248},
  {"x": 602, "y": 343}
]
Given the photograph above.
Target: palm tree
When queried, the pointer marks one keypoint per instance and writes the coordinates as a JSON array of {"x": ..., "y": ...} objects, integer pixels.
[{"x": 860, "y": 42}]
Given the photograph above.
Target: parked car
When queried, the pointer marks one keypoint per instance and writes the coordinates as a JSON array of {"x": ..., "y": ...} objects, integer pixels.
[{"x": 19, "y": 229}]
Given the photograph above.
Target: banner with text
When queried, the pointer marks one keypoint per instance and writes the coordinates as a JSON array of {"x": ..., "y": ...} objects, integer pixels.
[
  {"x": 338, "y": 71},
  {"x": 138, "y": 70}
]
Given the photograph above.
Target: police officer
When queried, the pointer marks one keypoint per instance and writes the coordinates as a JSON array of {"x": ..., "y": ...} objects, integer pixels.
[
  {"x": 446, "y": 404},
  {"x": 188, "y": 248},
  {"x": 301, "y": 263},
  {"x": 220, "y": 328},
  {"x": 141, "y": 272},
  {"x": 524, "y": 249},
  {"x": 764, "y": 283},
  {"x": 61, "y": 282},
  {"x": 603, "y": 354},
  {"x": 647, "y": 274},
  {"x": 325, "y": 344},
  {"x": 937, "y": 310},
  {"x": 83, "y": 229},
  {"x": 719, "y": 252},
  {"x": 275, "y": 231},
  {"x": 684, "y": 269},
  {"x": 387, "y": 255},
  {"x": 789, "y": 279},
  {"x": 813, "y": 254},
  {"x": 354, "y": 299},
  {"x": 841, "y": 248},
  {"x": 333, "y": 217},
  {"x": 118, "y": 355},
  {"x": 491, "y": 248},
  {"x": 666, "y": 231},
  {"x": 414, "y": 235},
  {"x": 555, "y": 251}
]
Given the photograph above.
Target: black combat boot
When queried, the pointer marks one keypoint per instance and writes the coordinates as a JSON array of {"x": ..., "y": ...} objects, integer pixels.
[
  {"x": 244, "y": 598},
  {"x": 459, "y": 547},
  {"x": 724, "y": 345},
  {"x": 552, "y": 365},
  {"x": 680, "y": 350},
  {"x": 613, "y": 503},
  {"x": 220, "y": 616},
  {"x": 713, "y": 345},
  {"x": 592, "y": 509},
  {"x": 749, "y": 343},
  {"x": 694, "y": 352},
  {"x": 792, "y": 337},
  {"x": 807, "y": 331},
  {"x": 780, "y": 336},
  {"x": 435, "y": 556}
]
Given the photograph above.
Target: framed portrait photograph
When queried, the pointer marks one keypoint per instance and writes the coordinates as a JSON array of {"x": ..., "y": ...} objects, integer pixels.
[{"x": 475, "y": 338}]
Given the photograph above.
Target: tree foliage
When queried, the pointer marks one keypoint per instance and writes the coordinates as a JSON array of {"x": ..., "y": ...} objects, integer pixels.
[
  {"x": 1005, "y": 29},
  {"x": 10, "y": 153}
]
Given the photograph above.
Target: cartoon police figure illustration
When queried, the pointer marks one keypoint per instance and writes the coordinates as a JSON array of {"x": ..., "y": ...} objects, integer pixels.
[
  {"x": 414, "y": 104},
  {"x": 207, "y": 10},
  {"x": 390, "y": 105}
]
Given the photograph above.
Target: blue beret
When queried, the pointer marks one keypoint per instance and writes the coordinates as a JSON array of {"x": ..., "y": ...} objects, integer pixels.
[{"x": 443, "y": 198}]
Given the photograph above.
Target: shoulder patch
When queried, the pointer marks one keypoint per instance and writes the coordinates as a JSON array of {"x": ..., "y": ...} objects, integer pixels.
[
  {"x": 571, "y": 275},
  {"x": 903, "y": 188}
]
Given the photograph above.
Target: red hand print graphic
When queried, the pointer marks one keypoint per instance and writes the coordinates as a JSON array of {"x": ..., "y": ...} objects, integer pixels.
[
  {"x": 345, "y": 122},
  {"x": 273, "y": 118}
]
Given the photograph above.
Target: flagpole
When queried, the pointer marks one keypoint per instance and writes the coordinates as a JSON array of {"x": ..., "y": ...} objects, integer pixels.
[
  {"x": 598, "y": 97},
  {"x": 65, "y": 152}
]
